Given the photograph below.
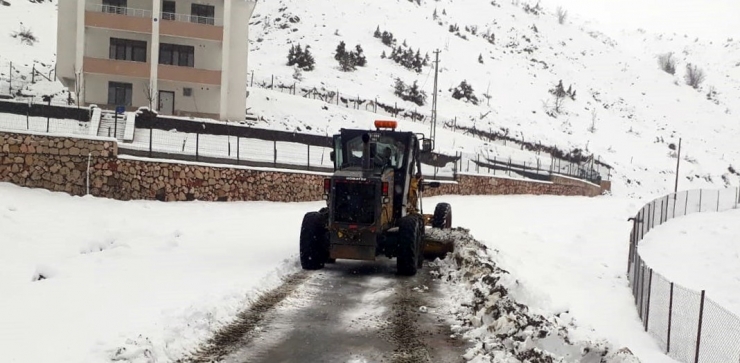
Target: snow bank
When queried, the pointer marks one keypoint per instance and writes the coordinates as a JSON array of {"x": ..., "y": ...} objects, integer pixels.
[{"x": 503, "y": 329}]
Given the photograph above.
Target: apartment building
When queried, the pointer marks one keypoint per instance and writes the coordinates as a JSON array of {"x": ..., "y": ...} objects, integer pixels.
[{"x": 179, "y": 57}]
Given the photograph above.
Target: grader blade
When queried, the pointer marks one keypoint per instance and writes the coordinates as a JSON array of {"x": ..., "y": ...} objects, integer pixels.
[{"x": 437, "y": 245}]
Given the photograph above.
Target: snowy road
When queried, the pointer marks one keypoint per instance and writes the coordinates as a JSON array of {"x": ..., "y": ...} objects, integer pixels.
[{"x": 348, "y": 312}]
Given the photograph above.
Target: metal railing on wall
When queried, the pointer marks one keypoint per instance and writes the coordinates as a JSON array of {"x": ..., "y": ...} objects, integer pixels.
[{"x": 687, "y": 324}]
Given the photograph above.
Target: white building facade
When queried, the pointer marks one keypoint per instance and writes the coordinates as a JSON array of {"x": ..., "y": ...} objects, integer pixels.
[{"x": 183, "y": 58}]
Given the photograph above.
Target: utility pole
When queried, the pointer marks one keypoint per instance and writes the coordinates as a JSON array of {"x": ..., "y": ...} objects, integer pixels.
[
  {"x": 433, "y": 132},
  {"x": 678, "y": 163}
]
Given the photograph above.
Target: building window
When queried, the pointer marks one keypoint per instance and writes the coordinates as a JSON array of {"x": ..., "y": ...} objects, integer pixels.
[
  {"x": 119, "y": 94},
  {"x": 126, "y": 49},
  {"x": 202, "y": 14},
  {"x": 168, "y": 10},
  {"x": 177, "y": 55},
  {"x": 115, "y": 6}
]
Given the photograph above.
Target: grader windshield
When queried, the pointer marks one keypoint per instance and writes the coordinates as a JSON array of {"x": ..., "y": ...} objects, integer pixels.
[{"x": 385, "y": 150}]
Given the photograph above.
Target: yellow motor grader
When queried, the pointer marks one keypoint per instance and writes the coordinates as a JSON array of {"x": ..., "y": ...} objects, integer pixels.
[{"x": 374, "y": 202}]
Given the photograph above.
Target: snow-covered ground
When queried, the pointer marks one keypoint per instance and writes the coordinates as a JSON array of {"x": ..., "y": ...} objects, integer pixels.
[
  {"x": 701, "y": 252},
  {"x": 81, "y": 278},
  {"x": 162, "y": 276}
]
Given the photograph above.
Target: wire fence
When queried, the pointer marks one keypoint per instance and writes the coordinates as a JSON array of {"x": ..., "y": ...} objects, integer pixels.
[
  {"x": 375, "y": 105},
  {"x": 39, "y": 124},
  {"x": 16, "y": 77},
  {"x": 688, "y": 325}
]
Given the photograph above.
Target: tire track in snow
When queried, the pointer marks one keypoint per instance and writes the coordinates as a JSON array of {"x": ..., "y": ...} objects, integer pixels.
[{"x": 242, "y": 330}]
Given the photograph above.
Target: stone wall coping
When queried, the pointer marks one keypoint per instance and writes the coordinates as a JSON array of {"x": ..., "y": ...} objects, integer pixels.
[
  {"x": 507, "y": 177},
  {"x": 221, "y": 166},
  {"x": 584, "y": 181},
  {"x": 57, "y": 135}
]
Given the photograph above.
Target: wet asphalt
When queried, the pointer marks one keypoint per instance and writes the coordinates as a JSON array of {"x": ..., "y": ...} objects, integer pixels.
[{"x": 350, "y": 311}]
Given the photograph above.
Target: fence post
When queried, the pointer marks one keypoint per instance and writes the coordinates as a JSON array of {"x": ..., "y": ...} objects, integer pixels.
[
  {"x": 641, "y": 290},
  {"x": 115, "y": 125},
  {"x": 665, "y": 213},
  {"x": 675, "y": 201},
  {"x": 47, "y": 114},
  {"x": 477, "y": 164},
  {"x": 308, "y": 157},
  {"x": 237, "y": 149},
  {"x": 670, "y": 320},
  {"x": 10, "y": 79},
  {"x": 272, "y": 82},
  {"x": 375, "y": 105},
  {"x": 698, "y": 332},
  {"x": 647, "y": 308},
  {"x": 737, "y": 191},
  {"x": 197, "y": 146},
  {"x": 718, "y": 190},
  {"x": 701, "y": 192},
  {"x": 638, "y": 289},
  {"x": 33, "y": 73},
  {"x": 661, "y": 212},
  {"x": 686, "y": 207},
  {"x": 251, "y": 83},
  {"x": 28, "y": 112},
  {"x": 274, "y": 152},
  {"x": 151, "y": 132}
]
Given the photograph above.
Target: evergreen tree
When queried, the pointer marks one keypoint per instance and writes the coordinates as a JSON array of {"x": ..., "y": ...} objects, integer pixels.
[
  {"x": 360, "y": 59},
  {"x": 341, "y": 51},
  {"x": 377, "y": 32},
  {"x": 480, "y": 58}
]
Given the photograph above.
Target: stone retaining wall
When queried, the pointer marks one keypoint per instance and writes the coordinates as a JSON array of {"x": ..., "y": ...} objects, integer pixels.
[{"x": 61, "y": 164}]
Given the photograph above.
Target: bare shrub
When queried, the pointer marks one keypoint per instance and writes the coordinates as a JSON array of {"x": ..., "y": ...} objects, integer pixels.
[
  {"x": 667, "y": 63},
  {"x": 562, "y": 15},
  {"x": 694, "y": 76},
  {"x": 25, "y": 35}
]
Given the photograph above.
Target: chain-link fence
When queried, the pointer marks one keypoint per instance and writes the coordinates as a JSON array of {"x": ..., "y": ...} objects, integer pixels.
[{"x": 687, "y": 324}]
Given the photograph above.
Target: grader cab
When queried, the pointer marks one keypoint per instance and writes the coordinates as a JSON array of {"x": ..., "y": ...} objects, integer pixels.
[{"x": 374, "y": 202}]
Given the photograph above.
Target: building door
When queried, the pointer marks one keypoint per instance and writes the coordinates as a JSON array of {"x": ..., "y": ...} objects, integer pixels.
[{"x": 166, "y": 102}]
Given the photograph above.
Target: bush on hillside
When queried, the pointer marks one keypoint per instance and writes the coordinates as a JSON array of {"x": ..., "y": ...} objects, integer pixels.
[
  {"x": 303, "y": 59},
  {"x": 694, "y": 76},
  {"x": 25, "y": 35},
  {"x": 667, "y": 63},
  {"x": 562, "y": 15},
  {"x": 349, "y": 61},
  {"x": 464, "y": 92},
  {"x": 385, "y": 36},
  {"x": 413, "y": 93},
  {"x": 409, "y": 59}
]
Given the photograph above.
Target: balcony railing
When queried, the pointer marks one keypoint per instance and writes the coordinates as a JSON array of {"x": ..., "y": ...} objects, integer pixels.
[
  {"x": 192, "y": 19},
  {"x": 101, "y": 8}
]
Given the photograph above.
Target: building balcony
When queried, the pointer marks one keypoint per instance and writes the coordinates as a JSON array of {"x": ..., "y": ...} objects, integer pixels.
[
  {"x": 188, "y": 75},
  {"x": 118, "y": 18},
  {"x": 116, "y": 67},
  {"x": 190, "y": 26}
]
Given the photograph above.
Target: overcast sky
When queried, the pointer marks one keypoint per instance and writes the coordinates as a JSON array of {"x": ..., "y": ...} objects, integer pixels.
[{"x": 718, "y": 19}]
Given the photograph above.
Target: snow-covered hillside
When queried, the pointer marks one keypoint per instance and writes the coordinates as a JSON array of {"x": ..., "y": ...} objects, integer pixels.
[
  {"x": 639, "y": 109},
  {"x": 625, "y": 109}
]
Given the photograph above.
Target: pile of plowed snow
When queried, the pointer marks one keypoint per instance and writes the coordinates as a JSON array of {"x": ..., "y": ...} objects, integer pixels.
[{"x": 502, "y": 329}]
